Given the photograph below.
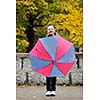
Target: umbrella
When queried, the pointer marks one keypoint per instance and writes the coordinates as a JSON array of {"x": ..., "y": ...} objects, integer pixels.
[{"x": 52, "y": 56}]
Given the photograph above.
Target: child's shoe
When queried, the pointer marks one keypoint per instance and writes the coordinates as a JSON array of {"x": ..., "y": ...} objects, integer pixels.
[
  {"x": 53, "y": 93},
  {"x": 48, "y": 93}
]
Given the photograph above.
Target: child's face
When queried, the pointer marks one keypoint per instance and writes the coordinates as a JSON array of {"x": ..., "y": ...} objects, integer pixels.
[{"x": 50, "y": 30}]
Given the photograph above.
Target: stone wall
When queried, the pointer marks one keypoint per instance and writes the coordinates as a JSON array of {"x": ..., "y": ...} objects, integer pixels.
[{"x": 25, "y": 75}]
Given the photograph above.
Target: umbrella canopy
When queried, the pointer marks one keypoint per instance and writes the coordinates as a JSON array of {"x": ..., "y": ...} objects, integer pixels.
[{"x": 52, "y": 56}]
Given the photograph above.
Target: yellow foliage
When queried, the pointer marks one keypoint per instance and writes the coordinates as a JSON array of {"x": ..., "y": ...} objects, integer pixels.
[
  {"x": 73, "y": 21},
  {"x": 24, "y": 43},
  {"x": 21, "y": 40},
  {"x": 65, "y": 15}
]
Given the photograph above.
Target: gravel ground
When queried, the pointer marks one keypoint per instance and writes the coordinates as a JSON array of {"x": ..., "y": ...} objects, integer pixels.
[{"x": 38, "y": 93}]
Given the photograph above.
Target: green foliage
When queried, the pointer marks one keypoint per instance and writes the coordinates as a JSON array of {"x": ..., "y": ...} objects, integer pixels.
[{"x": 65, "y": 15}]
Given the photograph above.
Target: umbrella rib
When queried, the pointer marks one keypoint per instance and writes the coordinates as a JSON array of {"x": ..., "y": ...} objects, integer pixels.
[
  {"x": 59, "y": 69},
  {"x": 44, "y": 59},
  {"x": 63, "y": 63},
  {"x": 64, "y": 53},
  {"x": 42, "y": 67}
]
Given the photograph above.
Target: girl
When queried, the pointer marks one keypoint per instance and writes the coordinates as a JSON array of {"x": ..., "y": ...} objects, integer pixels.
[{"x": 51, "y": 81}]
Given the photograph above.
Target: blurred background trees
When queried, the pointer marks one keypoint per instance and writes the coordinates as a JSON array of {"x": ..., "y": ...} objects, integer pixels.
[{"x": 33, "y": 17}]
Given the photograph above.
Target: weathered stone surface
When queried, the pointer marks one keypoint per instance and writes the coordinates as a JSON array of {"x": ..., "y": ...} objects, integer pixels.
[{"x": 27, "y": 75}]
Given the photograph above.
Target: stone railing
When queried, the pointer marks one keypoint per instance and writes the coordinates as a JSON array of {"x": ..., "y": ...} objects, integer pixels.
[{"x": 25, "y": 74}]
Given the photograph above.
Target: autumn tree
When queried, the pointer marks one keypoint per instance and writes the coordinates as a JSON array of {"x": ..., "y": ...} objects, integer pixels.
[{"x": 33, "y": 17}]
